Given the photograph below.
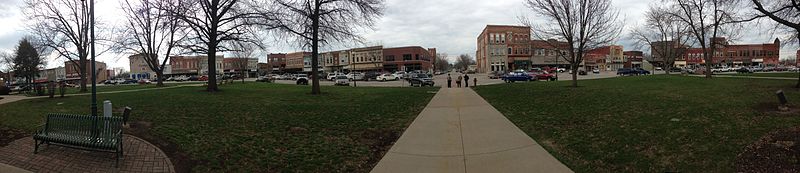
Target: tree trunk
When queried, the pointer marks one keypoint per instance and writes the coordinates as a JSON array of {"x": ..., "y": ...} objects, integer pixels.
[
  {"x": 83, "y": 79},
  {"x": 575, "y": 76},
  {"x": 315, "y": 50},
  {"x": 212, "y": 65},
  {"x": 159, "y": 79}
]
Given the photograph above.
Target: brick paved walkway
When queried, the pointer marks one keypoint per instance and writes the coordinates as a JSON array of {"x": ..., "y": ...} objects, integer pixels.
[{"x": 140, "y": 156}]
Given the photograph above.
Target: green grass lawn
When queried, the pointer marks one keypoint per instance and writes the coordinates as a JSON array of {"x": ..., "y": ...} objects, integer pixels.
[
  {"x": 629, "y": 124},
  {"x": 257, "y": 127},
  {"x": 775, "y": 74}
]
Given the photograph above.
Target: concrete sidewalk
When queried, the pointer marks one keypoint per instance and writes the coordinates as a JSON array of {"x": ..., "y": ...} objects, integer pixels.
[{"x": 460, "y": 132}]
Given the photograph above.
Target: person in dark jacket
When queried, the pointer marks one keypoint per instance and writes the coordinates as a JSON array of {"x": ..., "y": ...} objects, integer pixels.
[
  {"x": 449, "y": 81},
  {"x": 466, "y": 81}
]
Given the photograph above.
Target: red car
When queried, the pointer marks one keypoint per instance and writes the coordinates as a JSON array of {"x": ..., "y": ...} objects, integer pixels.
[
  {"x": 543, "y": 75},
  {"x": 203, "y": 78}
]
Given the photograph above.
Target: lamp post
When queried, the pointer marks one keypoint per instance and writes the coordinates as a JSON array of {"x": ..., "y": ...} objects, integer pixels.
[{"x": 94, "y": 69}]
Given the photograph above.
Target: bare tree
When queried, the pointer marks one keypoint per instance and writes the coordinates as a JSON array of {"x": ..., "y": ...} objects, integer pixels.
[
  {"x": 215, "y": 22},
  {"x": 463, "y": 62},
  {"x": 243, "y": 52},
  {"x": 6, "y": 65},
  {"x": 583, "y": 24},
  {"x": 706, "y": 20},
  {"x": 663, "y": 33},
  {"x": 322, "y": 22},
  {"x": 785, "y": 13},
  {"x": 62, "y": 27},
  {"x": 440, "y": 63},
  {"x": 149, "y": 32}
]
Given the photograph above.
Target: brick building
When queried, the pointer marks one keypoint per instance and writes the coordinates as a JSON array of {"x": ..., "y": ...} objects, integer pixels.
[
  {"x": 366, "y": 59},
  {"x": 731, "y": 55},
  {"x": 503, "y": 48},
  {"x": 408, "y": 59},
  {"x": 549, "y": 53},
  {"x": 606, "y": 58},
  {"x": 237, "y": 65},
  {"x": 72, "y": 71},
  {"x": 332, "y": 62},
  {"x": 139, "y": 69},
  {"x": 633, "y": 59},
  {"x": 277, "y": 62},
  {"x": 298, "y": 62},
  {"x": 194, "y": 65}
]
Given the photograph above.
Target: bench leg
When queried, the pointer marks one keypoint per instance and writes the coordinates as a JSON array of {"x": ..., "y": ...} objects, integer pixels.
[{"x": 36, "y": 146}]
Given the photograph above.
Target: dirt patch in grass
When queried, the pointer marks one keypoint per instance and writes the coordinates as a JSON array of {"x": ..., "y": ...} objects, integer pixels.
[
  {"x": 778, "y": 151},
  {"x": 771, "y": 108},
  {"x": 8, "y": 135},
  {"x": 379, "y": 142},
  {"x": 180, "y": 159}
]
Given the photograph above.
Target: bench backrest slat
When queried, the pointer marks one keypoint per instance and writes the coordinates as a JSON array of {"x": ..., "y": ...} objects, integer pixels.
[{"x": 82, "y": 125}]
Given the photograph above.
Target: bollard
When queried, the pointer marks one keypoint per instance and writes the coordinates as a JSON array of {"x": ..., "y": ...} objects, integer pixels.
[
  {"x": 782, "y": 100},
  {"x": 107, "y": 108}
]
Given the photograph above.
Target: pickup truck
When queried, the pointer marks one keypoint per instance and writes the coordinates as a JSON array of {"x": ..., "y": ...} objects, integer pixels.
[
  {"x": 516, "y": 76},
  {"x": 543, "y": 75}
]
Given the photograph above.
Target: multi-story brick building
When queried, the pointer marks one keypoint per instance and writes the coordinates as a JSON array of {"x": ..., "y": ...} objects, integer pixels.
[
  {"x": 408, "y": 59},
  {"x": 237, "y": 65},
  {"x": 194, "y": 65},
  {"x": 277, "y": 62},
  {"x": 366, "y": 59},
  {"x": 731, "y": 55},
  {"x": 72, "y": 71},
  {"x": 549, "y": 53},
  {"x": 332, "y": 62},
  {"x": 139, "y": 69},
  {"x": 633, "y": 59},
  {"x": 300, "y": 62},
  {"x": 502, "y": 48},
  {"x": 604, "y": 58}
]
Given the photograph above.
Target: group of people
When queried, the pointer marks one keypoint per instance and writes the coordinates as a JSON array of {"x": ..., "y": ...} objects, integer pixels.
[{"x": 458, "y": 81}]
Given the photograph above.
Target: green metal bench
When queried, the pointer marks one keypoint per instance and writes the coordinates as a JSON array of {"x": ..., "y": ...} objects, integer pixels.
[{"x": 94, "y": 133}]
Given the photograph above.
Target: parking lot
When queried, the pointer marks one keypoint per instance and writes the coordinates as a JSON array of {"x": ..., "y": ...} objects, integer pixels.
[{"x": 441, "y": 80}]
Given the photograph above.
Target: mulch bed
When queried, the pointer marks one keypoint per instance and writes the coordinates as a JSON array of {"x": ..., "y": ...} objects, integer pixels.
[
  {"x": 778, "y": 151},
  {"x": 8, "y": 135}
]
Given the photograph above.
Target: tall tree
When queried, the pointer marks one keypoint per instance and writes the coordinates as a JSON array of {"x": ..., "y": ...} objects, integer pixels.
[
  {"x": 706, "y": 20},
  {"x": 6, "y": 65},
  {"x": 322, "y": 22},
  {"x": 441, "y": 63},
  {"x": 216, "y": 22},
  {"x": 583, "y": 24},
  {"x": 663, "y": 34},
  {"x": 150, "y": 33},
  {"x": 62, "y": 28},
  {"x": 243, "y": 52},
  {"x": 463, "y": 62},
  {"x": 786, "y": 13},
  {"x": 27, "y": 61}
]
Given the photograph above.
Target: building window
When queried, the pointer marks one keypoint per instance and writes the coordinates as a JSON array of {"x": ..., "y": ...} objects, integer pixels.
[
  {"x": 509, "y": 50},
  {"x": 389, "y": 58},
  {"x": 406, "y": 57}
]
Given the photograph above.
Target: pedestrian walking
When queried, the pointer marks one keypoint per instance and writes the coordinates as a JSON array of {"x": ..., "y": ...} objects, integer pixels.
[
  {"x": 449, "y": 81},
  {"x": 458, "y": 81},
  {"x": 466, "y": 81}
]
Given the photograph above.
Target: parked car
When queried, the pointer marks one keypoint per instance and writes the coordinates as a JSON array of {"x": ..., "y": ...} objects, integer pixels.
[
  {"x": 516, "y": 76},
  {"x": 341, "y": 80},
  {"x": 144, "y": 81},
  {"x": 675, "y": 70},
  {"x": 331, "y": 76},
  {"x": 421, "y": 80},
  {"x": 596, "y": 71},
  {"x": 110, "y": 82},
  {"x": 355, "y": 76},
  {"x": 543, "y": 75},
  {"x": 399, "y": 74},
  {"x": 202, "y": 78},
  {"x": 130, "y": 81},
  {"x": 659, "y": 69},
  {"x": 582, "y": 72},
  {"x": 371, "y": 76},
  {"x": 625, "y": 72},
  {"x": 640, "y": 71},
  {"x": 386, "y": 77},
  {"x": 495, "y": 75},
  {"x": 743, "y": 70},
  {"x": 265, "y": 78},
  {"x": 302, "y": 79}
]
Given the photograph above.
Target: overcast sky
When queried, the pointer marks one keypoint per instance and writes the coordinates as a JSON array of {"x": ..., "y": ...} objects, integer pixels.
[{"x": 451, "y": 26}]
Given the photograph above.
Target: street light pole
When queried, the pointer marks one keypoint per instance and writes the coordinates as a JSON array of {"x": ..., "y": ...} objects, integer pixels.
[{"x": 94, "y": 69}]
